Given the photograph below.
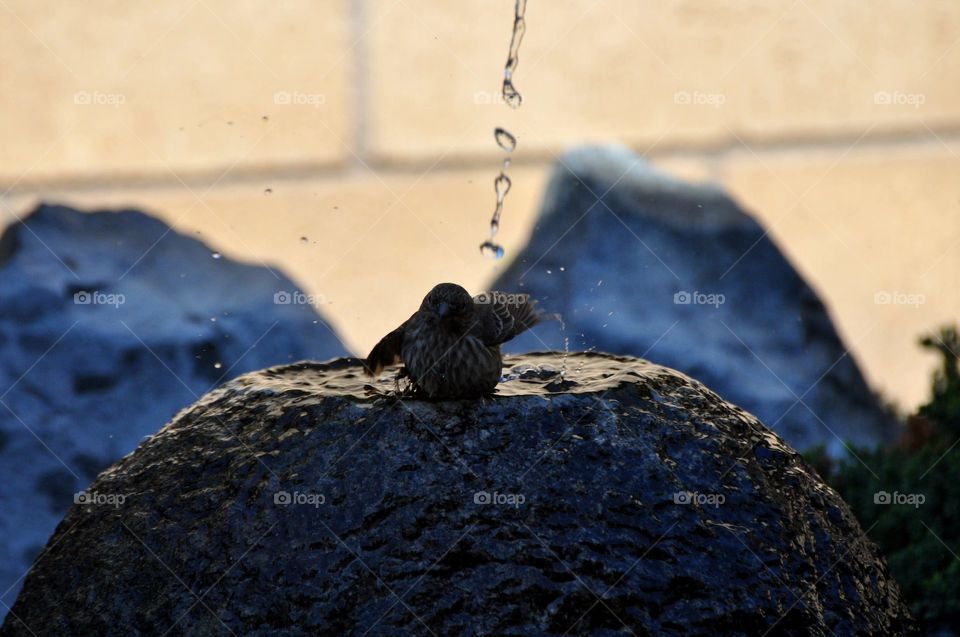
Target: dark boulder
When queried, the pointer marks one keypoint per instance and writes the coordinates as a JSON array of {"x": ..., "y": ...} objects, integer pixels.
[
  {"x": 297, "y": 501},
  {"x": 111, "y": 322},
  {"x": 643, "y": 264}
]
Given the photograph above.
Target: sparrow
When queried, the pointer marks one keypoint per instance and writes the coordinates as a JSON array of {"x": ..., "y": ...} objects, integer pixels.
[{"x": 450, "y": 347}]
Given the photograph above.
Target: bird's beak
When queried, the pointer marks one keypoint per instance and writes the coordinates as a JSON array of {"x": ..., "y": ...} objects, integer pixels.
[{"x": 443, "y": 309}]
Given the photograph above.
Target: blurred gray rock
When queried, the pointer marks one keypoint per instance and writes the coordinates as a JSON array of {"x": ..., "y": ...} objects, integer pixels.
[
  {"x": 679, "y": 274},
  {"x": 291, "y": 501},
  {"x": 110, "y": 323}
]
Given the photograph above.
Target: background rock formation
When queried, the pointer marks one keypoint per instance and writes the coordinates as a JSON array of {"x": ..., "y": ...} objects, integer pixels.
[
  {"x": 294, "y": 501},
  {"x": 640, "y": 263},
  {"x": 109, "y": 324}
]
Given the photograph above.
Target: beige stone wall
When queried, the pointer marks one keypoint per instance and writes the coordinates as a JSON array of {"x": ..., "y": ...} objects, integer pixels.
[{"x": 836, "y": 122}]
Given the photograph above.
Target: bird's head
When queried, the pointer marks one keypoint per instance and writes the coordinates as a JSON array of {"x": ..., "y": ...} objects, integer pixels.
[{"x": 448, "y": 301}]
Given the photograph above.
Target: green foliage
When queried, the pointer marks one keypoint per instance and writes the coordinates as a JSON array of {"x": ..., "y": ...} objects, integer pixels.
[
  {"x": 944, "y": 406},
  {"x": 921, "y": 541}
]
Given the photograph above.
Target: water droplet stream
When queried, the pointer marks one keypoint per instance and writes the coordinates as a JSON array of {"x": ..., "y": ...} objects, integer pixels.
[{"x": 504, "y": 138}]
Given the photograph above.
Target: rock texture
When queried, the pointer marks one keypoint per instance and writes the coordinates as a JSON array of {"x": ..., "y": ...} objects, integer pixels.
[
  {"x": 110, "y": 323},
  {"x": 679, "y": 274},
  {"x": 623, "y": 498}
]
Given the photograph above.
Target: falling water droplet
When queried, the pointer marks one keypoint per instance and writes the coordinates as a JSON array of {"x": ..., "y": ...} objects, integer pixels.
[
  {"x": 491, "y": 249},
  {"x": 217, "y": 365},
  {"x": 505, "y": 139},
  {"x": 216, "y": 255},
  {"x": 502, "y": 185},
  {"x": 510, "y": 93}
]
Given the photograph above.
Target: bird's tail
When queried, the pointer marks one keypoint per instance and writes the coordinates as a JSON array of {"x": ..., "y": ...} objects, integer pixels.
[
  {"x": 504, "y": 315},
  {"x": 526, "y": 316}
]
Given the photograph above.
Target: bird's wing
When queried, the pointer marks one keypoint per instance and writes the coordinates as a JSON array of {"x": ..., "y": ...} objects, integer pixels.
[
  {"x": 501, "y": 316},
  {"x": 386, "y": 352}
]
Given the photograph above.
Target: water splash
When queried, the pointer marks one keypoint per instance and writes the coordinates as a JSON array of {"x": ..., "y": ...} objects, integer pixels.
[
  {"x": 510, "y": 93},
  {"x": 566, "y": 347}
]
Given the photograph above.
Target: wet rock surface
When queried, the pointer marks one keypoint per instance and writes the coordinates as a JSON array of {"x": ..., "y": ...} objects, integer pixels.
[
  {"x": 621, "y": 497},
  {"x": 110, "y": 323},
  {"x": 643, "y": 264}
]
